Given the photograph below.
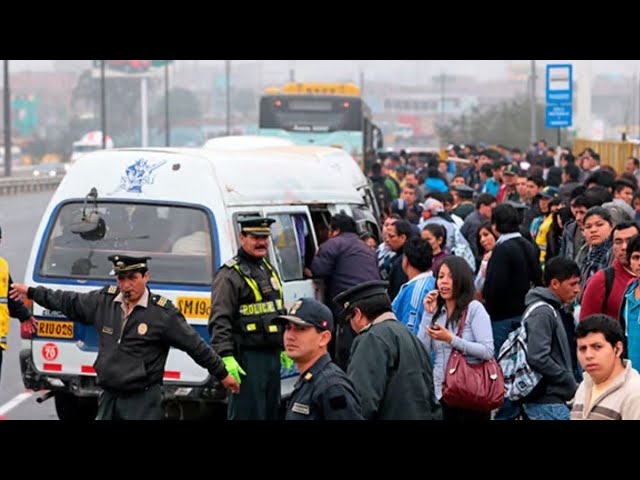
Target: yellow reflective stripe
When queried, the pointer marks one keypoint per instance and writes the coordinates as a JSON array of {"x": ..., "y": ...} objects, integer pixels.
[
  {"x": 273, "y": 328},
  {"x": 275, "y": 276},
  {"x": 251, "y": 327},
  {"x": 4, "y": 304},
  {"x": 252, "y": 284},
  {"x": 260, "y": 308}
]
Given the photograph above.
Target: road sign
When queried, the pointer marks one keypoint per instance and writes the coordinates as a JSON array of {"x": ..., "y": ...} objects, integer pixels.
[
  {"x": 559, "y": 84},
  {"x": 558, "y": 116}
]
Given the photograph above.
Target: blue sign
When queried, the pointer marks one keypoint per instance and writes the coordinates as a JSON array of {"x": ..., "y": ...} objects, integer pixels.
[
  {"x": 559, "y": 84},
  {"x": 558, "y": 116}
]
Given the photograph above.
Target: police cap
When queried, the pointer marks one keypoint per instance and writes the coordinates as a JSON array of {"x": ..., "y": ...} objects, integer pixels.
[
  {"x": 511, "y": 169},
  {"x": 360, "y": 292},
  {"x": 309, "y": 312},
  {"x": 464, "y": 191},
  {"x": 258, "y": 226},
  {"x": 125, "y": 264}
]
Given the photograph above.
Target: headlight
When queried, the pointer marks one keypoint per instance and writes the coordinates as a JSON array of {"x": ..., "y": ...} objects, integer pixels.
[
  {"x": 36, "y": 173},
  {"x": 52, "y": 173}
]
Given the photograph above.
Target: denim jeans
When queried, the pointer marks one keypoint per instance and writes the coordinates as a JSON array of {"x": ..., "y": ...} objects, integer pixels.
[
  {"x": 546, "y": 411},
  {"x": 501, "y": 330}
]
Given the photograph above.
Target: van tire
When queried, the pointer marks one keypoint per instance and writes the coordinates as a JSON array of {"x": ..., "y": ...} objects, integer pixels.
[{"x": 72, "y": 408}]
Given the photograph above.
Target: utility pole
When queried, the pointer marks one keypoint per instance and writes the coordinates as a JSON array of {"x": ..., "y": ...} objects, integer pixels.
[
  {"x": 167, "y": 131},
  {"x": 227, "y": 67},
  {"x": 103, "y": 105},
  {"x": 532, "y": 101},
  {"x": 292, "y": 70},
  {"x": 7, "y": 121},
  {"x": 442, "y": 98}
]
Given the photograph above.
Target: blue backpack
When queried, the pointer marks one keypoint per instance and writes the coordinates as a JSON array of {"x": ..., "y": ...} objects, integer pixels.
[{"x": 519, "y": 378}]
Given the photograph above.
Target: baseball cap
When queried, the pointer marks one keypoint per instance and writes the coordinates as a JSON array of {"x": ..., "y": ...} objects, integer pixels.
[
  {"x": 511, "y": 169},
  {"x": 549, "y": 192},
  {"x": 308, "y": 312}
]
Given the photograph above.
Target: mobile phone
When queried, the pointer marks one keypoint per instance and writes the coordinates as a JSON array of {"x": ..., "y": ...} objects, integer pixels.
[{"x": 435, "y": 326}]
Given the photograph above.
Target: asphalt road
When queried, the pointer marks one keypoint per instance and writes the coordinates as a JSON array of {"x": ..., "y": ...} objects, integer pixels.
[{"x": 19, "y": 219}]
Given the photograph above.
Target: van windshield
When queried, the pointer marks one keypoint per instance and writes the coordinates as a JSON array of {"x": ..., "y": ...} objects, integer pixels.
[
  {"x": 178, "y": 240},
  {"x": 86, "y": 148}
]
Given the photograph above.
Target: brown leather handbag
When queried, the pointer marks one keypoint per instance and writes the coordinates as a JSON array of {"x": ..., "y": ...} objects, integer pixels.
[{"x": 478, "y": 387}]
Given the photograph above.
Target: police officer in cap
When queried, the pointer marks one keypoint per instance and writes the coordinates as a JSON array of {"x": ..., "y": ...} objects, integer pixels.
[
  {"x": 323, "y": 391},
  {"x": 389, "y": 367},
  {"x": 245, "y": 299},
  {"x": 465, "y": 206},
  {"x": 136, "y": 329}
]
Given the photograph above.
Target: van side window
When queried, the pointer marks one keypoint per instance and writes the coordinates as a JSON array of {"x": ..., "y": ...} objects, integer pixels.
[{"x": 290, "y": 233}]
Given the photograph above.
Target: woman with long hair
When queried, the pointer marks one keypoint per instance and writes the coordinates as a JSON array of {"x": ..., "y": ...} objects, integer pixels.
[
  {"x": 485, "y": 242},
  {"x": 444, "y": 310},
  {"x": 436, "y": 235}
]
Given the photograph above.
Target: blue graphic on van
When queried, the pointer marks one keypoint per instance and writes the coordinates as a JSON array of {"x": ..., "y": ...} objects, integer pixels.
[{"x": 139, "y": 174}]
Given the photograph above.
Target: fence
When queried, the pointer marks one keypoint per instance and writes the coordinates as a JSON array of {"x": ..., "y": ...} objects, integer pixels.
[
  {"x": 10, "y": 186},
  {"x": 611, "y": 152}
]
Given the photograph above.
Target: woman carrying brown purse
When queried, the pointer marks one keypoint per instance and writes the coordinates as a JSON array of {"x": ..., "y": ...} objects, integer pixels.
[{"x": 444, "y": 309}]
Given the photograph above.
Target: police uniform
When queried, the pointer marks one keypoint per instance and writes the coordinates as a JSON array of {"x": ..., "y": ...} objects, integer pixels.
[
  {"x": 8, "y": 307},
  {"x": 323, "y": 391},
  {"x": 466, "y": 206},
  {"x": 389, "y": 367},
  {"x": 246, "y": 297},
  {"x": 133, "y": 348}
]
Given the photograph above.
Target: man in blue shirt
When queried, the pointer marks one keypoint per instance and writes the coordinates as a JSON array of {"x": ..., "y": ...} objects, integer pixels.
[{"x": 408, "y": 304}]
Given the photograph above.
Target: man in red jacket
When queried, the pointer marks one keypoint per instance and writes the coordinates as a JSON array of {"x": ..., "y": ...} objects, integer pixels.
[{"x": 595, "y": 298}]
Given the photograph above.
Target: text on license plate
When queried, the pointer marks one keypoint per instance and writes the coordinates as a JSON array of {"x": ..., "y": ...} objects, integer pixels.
[
  {"x": 55, "y": 329},
  {"x": 194, "y": 307}
]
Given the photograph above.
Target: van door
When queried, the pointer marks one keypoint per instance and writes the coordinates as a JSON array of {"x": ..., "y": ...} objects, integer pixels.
[{"x": 293, "y": 244}]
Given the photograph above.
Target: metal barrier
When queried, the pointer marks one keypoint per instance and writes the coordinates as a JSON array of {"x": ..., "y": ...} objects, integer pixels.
[
  {"x": 11, "y": 186},
  {"x": 611, "y": 152}
]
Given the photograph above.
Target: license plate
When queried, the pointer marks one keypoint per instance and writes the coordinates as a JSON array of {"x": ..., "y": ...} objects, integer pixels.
[
  {"x": 55, "y": 329},
  {"x": 194, "y": 307}
]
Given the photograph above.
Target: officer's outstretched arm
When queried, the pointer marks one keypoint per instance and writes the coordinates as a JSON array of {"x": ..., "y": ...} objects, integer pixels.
[{"x": 76, "y": 306}]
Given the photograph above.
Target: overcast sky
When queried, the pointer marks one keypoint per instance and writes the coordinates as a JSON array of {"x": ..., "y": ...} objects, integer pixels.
[{"x": 387, "y": 70}]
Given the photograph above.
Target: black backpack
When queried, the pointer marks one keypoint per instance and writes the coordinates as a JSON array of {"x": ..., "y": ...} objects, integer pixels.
[{"x": 609, "y": 275}]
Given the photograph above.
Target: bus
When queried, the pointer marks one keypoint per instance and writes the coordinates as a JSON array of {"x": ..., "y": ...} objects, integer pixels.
[{"x": 322, "y": 114}]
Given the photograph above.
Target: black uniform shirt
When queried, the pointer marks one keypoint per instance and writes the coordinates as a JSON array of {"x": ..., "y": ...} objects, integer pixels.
[
  {"x": 132, "y": 355},
  {"x": 324, "y": 392}
]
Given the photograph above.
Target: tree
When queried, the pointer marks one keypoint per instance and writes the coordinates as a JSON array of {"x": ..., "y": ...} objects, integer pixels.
[
  {"x": 183, "y": 105},
  {"x": 507, "y": 123}
]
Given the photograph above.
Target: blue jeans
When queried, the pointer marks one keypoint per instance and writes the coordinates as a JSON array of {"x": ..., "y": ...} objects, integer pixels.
[
  {"x": 501, "y": 330},
  {"x": 546, "y": 411}
]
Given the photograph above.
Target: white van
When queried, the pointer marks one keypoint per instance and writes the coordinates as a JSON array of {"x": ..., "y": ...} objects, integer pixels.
[{"x": 142, "y": 202}]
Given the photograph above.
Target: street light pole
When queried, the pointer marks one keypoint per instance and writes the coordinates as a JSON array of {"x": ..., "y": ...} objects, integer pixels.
[
  {"x": 103, "y": 106},
  {"x": 167, "y": 130},
  {"x": 532, "y": 101},
  {"x": 7, "y": 121},
  {"x": 227, "y": 66}
]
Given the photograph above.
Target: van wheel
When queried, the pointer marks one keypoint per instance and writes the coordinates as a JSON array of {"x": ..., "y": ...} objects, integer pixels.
[{"x": 70, "y": 407}]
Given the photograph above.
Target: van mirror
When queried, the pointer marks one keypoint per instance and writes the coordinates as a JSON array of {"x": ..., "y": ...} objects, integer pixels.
[{"x": 91, "y": 226}]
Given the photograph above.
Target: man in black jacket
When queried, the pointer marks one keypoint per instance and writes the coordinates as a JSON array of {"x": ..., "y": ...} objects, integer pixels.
[
  {"x": 343, "y": 261},
  {"x": 136, "y": 329}
]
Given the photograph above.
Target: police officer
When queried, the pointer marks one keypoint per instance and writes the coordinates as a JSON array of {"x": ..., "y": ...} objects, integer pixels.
[
  {"x": 245, "y": 299},
  {"x": 11, "y": 308},
  {"x": 465, "y": 206},
  {"x": 136, "y": 329},
  {"x": 389, "y": 367},
  {"x": 323, "y": 391}
]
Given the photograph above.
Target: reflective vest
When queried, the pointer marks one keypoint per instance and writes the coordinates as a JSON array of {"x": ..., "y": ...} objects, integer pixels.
[
  {"x": 255, "y": 327},
  {"x": 4, "y": 303}
]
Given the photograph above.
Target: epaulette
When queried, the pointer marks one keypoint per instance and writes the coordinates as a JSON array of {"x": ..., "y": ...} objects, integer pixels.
[
  {"x": 231, "y": 262},
  {"x": 161, "y": 301},
  {"x": 110, "y": 289}
]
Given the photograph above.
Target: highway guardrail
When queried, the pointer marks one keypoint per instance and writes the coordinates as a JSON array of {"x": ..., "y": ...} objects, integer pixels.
[{"x": 11, "y": 186}]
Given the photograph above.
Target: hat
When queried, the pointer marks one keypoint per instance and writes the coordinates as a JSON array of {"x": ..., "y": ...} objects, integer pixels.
[
  {"x": 359, "y": 292},
  {"x": 123, "y": 264},
  {"x": 432, "y": 205},
  {"x": 464, "y": 191},
  {"x": 258, "y": 226},
  {"x": 309, "y": 312},
  {"x": 549, "y": 192},
  {"x": 511, "y": 169}
]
